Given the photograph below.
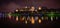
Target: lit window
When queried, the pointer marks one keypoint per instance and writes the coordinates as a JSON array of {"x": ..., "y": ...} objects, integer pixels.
[{"x": 32, "y": 8}]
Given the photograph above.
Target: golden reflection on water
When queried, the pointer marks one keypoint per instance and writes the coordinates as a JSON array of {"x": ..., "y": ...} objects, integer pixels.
[
  {"x": 39, "y": 20},
  {"x": 32, "y": 20},
  {"x": 16, "y": 18}
]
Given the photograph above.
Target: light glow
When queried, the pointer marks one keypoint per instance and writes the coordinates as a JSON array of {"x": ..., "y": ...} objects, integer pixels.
[
  {"x": 32, "y": 8},
  {"x": 17, "y": 18},
  {"x": 39, "y": 8},
  {"x": 16, "y": 10},
  {"x": 42, "y": 18},
  {"x": 51, "y": 18},
  {"x": 9, "y": 15},
  {"x": 23, "y": 18},
  {"x": 26, "y": 7},
  {"x": 32, "y": 20},
  {"x": 26, "y": 21},
  {"x": 39, "y": 20},
  {"x": 36, "y": 18}
]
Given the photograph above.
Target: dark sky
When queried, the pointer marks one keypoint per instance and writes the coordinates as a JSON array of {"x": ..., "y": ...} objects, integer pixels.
[{"x": 13, "y": 4}]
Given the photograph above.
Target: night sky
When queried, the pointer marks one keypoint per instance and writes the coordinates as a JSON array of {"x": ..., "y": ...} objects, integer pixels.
[{"x": 11, "y": 5}]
